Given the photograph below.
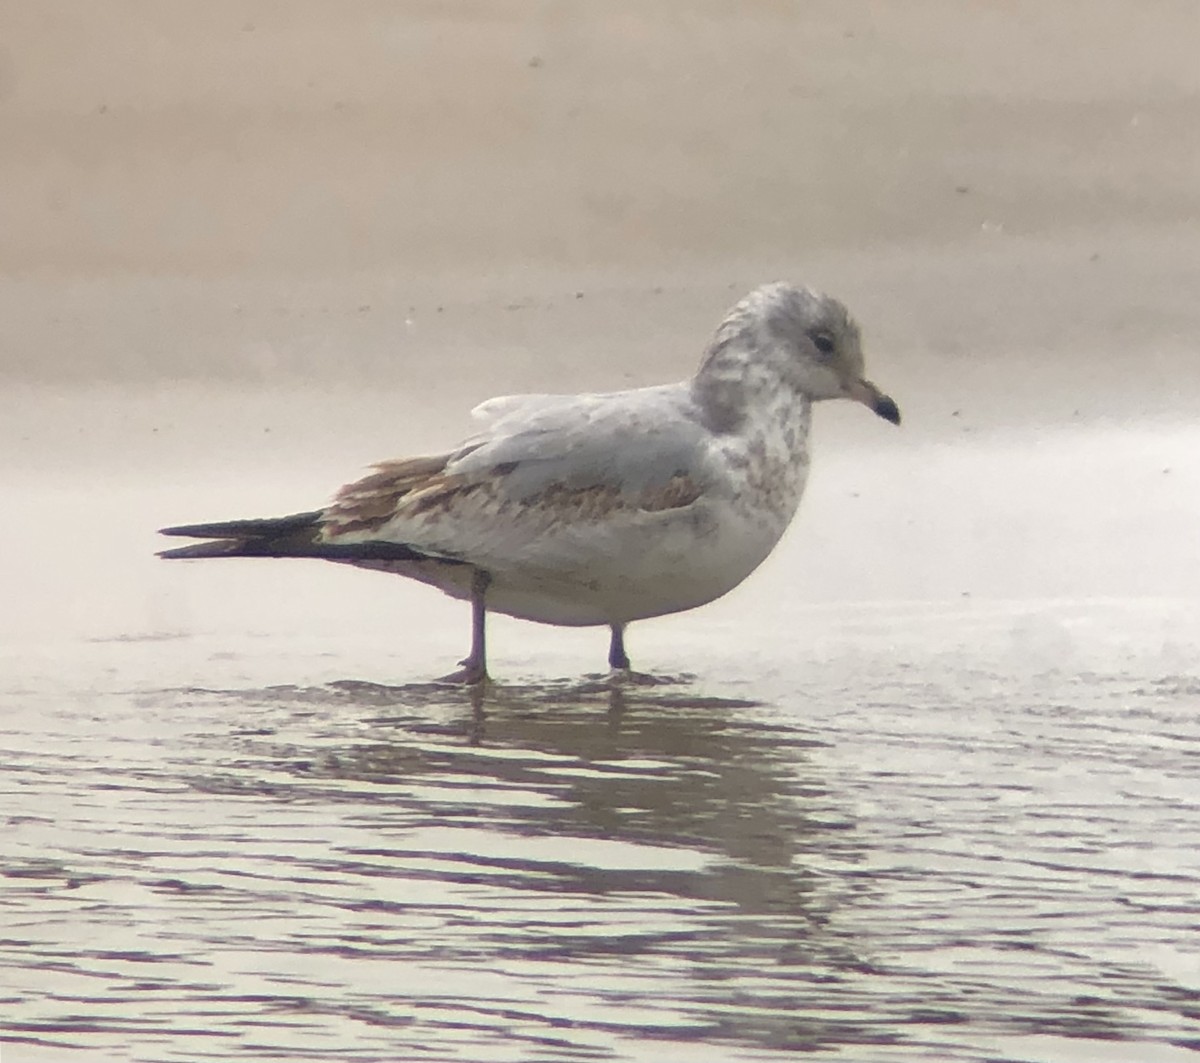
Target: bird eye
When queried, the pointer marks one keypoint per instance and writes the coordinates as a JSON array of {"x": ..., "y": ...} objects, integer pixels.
[{"x": 824, "y": 343}]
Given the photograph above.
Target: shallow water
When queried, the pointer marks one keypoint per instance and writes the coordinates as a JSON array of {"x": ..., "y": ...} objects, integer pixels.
[
  {"x": 919, "y": 839},
  {"x": 264, "y": 248}
]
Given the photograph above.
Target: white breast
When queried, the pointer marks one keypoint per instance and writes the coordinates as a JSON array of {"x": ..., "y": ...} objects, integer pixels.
[{"x": 631, "y": 566}]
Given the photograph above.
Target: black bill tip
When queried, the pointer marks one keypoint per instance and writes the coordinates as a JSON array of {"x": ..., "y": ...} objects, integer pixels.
[{"x": 887, "y": 409}]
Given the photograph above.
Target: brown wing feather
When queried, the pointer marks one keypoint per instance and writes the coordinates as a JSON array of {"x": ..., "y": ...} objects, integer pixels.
[
  {"x": 421, "y": 486},
  {"x": 369, "y": 503}
]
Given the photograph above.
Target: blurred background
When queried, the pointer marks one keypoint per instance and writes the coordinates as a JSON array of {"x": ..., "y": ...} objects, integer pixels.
[{"x": 250, "y": 247}]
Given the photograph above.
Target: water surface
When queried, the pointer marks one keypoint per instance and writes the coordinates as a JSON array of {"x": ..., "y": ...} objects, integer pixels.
[{"x": 924, "y": 846}]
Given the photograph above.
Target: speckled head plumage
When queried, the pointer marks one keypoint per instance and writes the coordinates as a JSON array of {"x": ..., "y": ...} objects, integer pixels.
[{"x": 799, "y": 338}]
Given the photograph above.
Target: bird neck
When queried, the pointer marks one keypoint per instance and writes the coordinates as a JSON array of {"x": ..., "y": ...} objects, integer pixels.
[{"x": 738, "y": 376}]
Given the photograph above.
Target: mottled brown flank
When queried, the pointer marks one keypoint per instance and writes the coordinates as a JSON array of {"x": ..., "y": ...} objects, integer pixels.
[
  {"x": 599, "y": 500},
  {"x": 421, "y": 486},
  {"x": 679, "y": 491}
]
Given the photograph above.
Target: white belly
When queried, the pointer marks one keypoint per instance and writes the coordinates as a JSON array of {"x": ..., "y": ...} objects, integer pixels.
[{"x": 596, "y": 575}]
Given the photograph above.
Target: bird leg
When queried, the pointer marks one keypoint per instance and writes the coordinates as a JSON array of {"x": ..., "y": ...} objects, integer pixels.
[
  {"x": 474, "y": 666},
  {"x": 616, "y": 649}
]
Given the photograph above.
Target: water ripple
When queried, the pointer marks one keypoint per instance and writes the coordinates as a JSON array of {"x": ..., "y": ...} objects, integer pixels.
[{"x": 934, "y": 868}]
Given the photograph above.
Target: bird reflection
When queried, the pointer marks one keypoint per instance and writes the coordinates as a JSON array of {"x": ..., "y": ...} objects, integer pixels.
[
  {"x": 655, "y": 762},
  {"x": 656, "y": 822}
]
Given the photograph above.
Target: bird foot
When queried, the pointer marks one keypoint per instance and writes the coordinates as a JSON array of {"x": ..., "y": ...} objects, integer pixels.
[{"x": 470, "y": 674}]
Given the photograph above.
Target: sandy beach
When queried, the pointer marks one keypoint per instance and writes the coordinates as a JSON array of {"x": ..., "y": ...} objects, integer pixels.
[{"x": 921, "y": 788}]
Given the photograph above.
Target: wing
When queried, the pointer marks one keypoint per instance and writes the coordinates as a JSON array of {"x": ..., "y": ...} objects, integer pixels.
[
  {"x": 492, "y": 410},
  {"x": 543, "y": 468},
  {"x": 624, "y": 438}
]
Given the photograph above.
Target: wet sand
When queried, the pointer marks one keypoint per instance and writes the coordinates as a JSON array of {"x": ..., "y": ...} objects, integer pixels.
[{"x": 922, "y": 788}]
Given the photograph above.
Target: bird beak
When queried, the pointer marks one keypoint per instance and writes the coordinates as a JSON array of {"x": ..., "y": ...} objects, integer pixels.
[{"x": 870, "y": 396}]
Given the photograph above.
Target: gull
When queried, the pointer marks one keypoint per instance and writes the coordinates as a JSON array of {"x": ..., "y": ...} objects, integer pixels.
[{"x": 598, "y": 509}]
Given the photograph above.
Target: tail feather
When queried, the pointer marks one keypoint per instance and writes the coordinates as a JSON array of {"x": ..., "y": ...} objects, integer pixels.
[
  {"x": 260, "y": 528},
  {"x": 297, "y": 535},
  {"x": 212, "y": 548}
]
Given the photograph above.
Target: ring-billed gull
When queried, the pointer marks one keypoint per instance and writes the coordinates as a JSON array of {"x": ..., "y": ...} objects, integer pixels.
[{"x": 599, "y": 509}]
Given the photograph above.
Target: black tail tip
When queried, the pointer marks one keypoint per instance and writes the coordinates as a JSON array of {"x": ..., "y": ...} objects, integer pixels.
[{"x": 221, "y": 548}]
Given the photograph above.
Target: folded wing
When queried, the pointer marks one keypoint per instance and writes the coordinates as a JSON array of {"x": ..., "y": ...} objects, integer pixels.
[{"x": 550, "y": 470}]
